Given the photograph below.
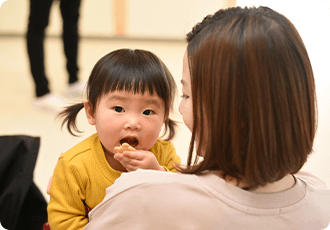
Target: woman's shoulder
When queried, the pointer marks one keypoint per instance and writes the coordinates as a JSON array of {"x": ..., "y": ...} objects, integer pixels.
[
  {"x": 141, "y": 178},
  {"x": 317, "y": 196},
  {"x": 312, "y": 180}
]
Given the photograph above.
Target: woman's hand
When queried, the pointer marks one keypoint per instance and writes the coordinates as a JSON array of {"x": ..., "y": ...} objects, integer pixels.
[{"x": 138, "y": 159}]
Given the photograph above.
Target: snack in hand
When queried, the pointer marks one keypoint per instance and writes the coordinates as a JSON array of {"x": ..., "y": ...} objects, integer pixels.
[{"x": 124, "y": 147}]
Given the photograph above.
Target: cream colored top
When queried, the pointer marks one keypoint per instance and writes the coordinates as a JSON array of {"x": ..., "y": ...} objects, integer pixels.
[{"x": 148, "y": 199}]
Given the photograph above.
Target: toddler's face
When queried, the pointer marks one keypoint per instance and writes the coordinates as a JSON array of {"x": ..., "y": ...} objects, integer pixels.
[{"x": 122, "y": 117}]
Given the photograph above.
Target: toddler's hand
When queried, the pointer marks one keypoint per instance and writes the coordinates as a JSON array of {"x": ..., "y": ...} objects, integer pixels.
[{"x": 138, "y": 159}]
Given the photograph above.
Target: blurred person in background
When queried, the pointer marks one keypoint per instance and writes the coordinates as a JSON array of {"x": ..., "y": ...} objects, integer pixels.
[{"x": 38, "y": 21}]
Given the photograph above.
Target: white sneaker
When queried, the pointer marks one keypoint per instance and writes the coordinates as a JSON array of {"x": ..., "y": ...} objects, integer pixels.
[
  {"x": 76, "y": 90},
  {"x": 50, "y": 102}
]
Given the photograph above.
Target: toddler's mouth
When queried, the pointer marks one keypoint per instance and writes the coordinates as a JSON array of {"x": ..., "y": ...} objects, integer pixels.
[{"x": 131, "y": 141}]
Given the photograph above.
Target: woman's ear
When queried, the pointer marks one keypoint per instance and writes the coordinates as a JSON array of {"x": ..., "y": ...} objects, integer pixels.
[{"x": 89, "y": 112}]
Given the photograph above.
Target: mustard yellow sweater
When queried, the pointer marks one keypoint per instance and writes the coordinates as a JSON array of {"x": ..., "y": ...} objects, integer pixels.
[{"x": 82, "y": 174}]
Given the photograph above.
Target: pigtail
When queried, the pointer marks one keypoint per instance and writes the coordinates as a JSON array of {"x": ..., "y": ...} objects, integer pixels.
[
  {"x": 170, "y": 125},
  {"x": 70, "y": 115}
]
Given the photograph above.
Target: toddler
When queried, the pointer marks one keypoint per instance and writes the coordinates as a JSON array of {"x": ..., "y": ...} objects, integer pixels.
[{"x": 130, "y": 95}]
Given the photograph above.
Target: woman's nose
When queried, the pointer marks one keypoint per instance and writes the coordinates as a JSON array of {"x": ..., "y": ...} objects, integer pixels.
[{"x": 133, "y": 123}]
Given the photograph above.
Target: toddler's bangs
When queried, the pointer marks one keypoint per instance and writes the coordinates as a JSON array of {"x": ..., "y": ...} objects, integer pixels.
[{"x": 138, "y": 79}]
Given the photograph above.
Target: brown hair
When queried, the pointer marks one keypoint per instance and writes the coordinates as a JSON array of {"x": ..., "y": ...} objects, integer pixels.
[
  {"x": 253, "y": 87},
  {"x": 135, "y": 71}
]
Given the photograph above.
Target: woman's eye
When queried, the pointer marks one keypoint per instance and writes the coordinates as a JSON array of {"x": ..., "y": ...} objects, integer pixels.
[
  {"x": 184, "y": 96},
  {"x": 118, "y": 109},
  {"x": 148, "y": 112}
]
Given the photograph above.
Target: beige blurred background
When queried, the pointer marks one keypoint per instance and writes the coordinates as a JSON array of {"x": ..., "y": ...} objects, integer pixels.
[
  {"x": 162, "y": 19},
  {"x": 156, "y": 25}
]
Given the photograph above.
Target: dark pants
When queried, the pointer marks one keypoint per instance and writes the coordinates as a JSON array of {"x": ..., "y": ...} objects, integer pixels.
[{"x": 38, "y": 21}]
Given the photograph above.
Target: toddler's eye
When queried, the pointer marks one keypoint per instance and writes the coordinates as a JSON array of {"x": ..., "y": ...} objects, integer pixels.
[
  {"x": 119, "y": 109},
  {"x": 148, "y": 112}
]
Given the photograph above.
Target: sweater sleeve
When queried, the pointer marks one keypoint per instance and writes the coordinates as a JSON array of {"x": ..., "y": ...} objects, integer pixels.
[
  {"x": 66, "y": 208},
  {"x": 170, "y": 158}
]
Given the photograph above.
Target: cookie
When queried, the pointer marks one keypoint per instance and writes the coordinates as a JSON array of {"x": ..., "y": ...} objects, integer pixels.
[{"x": 124, "y": 147}]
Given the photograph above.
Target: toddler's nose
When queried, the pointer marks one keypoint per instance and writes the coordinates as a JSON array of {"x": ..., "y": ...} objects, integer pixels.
[{"x": 133, "y": 123}]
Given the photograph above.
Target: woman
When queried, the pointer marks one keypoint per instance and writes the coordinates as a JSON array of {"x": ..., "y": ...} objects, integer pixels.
[{"x": 249, "y": 101}]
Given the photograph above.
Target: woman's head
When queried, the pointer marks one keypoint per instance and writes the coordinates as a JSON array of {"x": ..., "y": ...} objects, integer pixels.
[
  {"x": 253, "y": 95},
  {"x": 133, "y": 72}
]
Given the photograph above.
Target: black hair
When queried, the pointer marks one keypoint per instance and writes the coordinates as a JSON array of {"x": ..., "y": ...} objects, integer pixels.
[{"x": 135, "y": 71}]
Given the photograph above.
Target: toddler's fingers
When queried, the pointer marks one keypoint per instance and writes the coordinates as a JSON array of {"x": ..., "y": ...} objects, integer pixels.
[
  {"x": 127, "y": 162},
  {"x": 136, "y": 155},
  {"x": 118, "y": 156},
  {"x": 131, "y": 167}
]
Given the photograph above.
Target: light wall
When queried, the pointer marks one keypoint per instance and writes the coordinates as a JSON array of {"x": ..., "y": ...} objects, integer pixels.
[{"x": 144, "y": 18}]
